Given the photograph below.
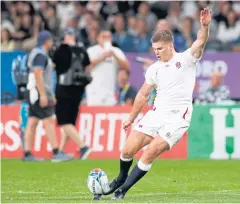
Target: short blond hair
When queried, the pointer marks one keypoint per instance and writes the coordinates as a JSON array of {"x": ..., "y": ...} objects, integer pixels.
[{"x": 163, "y": 35}]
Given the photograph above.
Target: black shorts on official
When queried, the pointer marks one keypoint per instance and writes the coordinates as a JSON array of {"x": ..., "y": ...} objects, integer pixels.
[
  {"x": 67, "y": 110},
  {"x": 35, "y": 110}
]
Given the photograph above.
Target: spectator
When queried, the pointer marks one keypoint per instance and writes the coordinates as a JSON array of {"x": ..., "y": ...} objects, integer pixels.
[
  {"x": 121, "y": 37},
  {"x": 24, "y": 26},
  {"x": 108, "y": 10},
  {"x": 217, "y": 93},
  {"x": 179, "y": 39},
  {"x": 125, "y": 93},
  {"x": 53, "y": 20},
  {"x": 145, "y": 13},
  {"x": 142, "y": 41},
  {"x": 231, "y": 32},
  {"x": 225, "y": 7},
  {"x": 132, "y": 25},
  {"x": 160, "y": 8},
  {"x": 174, "y": 18},
  {"x": 105, "y": 61},
  {"x": 187, "y": 30},
  {"x": 94, "y": 6},
  {"x": 162, "y": 25},
  {"x": 7, "y": 43},
  {"x": 88, "y": 34}
]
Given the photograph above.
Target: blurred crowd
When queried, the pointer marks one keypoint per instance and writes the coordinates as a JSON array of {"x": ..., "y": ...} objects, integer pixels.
[{"x": 131, "y": 22}]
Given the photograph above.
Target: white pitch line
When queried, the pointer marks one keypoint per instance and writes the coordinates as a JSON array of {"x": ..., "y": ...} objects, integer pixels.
[
  {"x": 134, "y": 195},
  {"x": 138, "y": 194}
]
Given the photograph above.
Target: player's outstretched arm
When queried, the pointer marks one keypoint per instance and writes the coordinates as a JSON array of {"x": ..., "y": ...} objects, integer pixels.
[
  {"x": 140, "y": 100},
  {"x": 202, "y": 37}
]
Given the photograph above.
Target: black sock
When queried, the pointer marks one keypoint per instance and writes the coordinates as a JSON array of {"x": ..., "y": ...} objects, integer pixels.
[
  {"x": 124, "y": 168},
  {"x": 135, "y": 175},
  {"x": 55, "y": 151},
  {"x": 27, "y": 153}
]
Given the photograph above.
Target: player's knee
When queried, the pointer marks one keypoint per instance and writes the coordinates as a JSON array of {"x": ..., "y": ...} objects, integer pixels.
[
  {"x": 148, "y": 157},
  {"x": 32, "y": 123},
  {"x": 127, "y": 153},
  {"x": 48, "y": 120}
]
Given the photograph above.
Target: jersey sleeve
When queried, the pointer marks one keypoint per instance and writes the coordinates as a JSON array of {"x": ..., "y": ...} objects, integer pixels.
[
  {"x": 120, "y": 53},
  {"x": 189, "y": 56},
  {"x": 40, "y": 61},
  {"x": 90, "y": 52},
  {"x": 150, "y": 76}
]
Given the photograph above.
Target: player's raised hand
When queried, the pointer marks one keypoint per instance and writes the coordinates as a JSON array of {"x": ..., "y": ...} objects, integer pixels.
[
  {"x": 205, "y": 17},
  {"x": 126, "y": 125}
]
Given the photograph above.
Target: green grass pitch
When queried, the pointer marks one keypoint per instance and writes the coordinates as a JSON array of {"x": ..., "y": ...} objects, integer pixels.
[{"x": 169, "y": 181}]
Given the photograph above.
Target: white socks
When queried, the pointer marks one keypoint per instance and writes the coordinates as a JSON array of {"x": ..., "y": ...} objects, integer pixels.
[
  {"x": 125, "y": 159},
  {"x": 144, "y": 167}
]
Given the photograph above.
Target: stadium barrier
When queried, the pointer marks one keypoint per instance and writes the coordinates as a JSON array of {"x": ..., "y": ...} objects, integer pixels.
[{"x": 214, "y": 133}]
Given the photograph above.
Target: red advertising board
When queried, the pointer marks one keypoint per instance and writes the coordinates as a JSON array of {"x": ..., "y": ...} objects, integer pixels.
[{"x": 100, "y": 127}]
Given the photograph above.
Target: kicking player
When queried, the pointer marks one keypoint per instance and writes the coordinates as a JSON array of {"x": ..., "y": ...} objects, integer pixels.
[{"x": 161, "y": 128}]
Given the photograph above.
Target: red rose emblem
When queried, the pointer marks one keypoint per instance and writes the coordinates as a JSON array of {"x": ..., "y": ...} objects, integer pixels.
[{"x": 178, "y": 65}]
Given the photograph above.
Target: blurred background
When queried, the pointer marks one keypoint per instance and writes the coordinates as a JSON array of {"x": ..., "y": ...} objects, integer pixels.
[{"x": 132, "y": 24}]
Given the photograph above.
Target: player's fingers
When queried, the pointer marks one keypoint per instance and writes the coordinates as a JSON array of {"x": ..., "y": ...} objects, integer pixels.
[
  {"x": 205, "y": 11},
  {"x": 201, "y": 14},
  {"x": 210, "y": 12}
]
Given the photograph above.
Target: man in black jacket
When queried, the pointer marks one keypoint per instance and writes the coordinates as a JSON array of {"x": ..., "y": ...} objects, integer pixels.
[{"x": 71, "y": 61}]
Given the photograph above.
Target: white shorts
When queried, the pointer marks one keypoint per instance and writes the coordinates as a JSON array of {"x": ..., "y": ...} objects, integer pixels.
[{"x": 169, "y": 125}]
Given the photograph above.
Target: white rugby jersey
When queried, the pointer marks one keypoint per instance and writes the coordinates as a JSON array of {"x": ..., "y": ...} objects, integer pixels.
[
  {"x": 174, "y": 80},
  {"x": 101, "y": 91}
]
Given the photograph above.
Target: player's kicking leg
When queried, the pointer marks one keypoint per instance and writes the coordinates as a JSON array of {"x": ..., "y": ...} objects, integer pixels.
[
  {"x": 135, "y": 141},
  {"x": 155, "y": 148}
]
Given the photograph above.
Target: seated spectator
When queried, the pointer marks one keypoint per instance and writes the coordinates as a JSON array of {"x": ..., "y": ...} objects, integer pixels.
[
  {"x": 174, "y": 16},
  {"x": 145, "y": 13},
  {"x": 132, "y": 25},
  {"x": 121, "y": 37},
  {"x": 88, "y": 34},
  {"x": 217, "y": 93},
  {"x": 24, "y": 27},
  {"x": 187, "y": 30},
  {"x": 229, "y": 33},
  {"x": 221, "y": 17},
  {"x": 142, "y": 41},
  {"x": 7, "y": 43},
  {"x": 95, "y": 7},
  {"x": 125, "y": 93},
  {"x": 53, "y": 20},
  {"x": 109, "y": 8},
  {"x": 180, "y": 43}
]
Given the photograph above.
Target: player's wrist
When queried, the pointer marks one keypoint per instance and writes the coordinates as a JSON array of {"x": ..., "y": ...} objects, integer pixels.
[
  {"x": 131, "y": 119},
  {"x": 43, "y": 96}
]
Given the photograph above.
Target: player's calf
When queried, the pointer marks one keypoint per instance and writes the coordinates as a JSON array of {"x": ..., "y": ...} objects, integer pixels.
[
  {"x": 155, "y": 148},
  {"x": 137, "y": 173},
  {"x": 125, "y": 164}
]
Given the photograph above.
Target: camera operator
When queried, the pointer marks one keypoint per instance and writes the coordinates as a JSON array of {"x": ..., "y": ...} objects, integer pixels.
[{"x": 71, "y": 61}]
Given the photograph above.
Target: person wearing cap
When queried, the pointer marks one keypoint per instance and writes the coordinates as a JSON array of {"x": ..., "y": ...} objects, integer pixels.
[
  {"x": 71, "y": 61},
  {"x": 41, "y": 98}
]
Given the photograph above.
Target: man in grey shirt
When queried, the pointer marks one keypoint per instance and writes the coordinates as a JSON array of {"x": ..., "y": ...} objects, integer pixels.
[{"x": 41, "y": 97}]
